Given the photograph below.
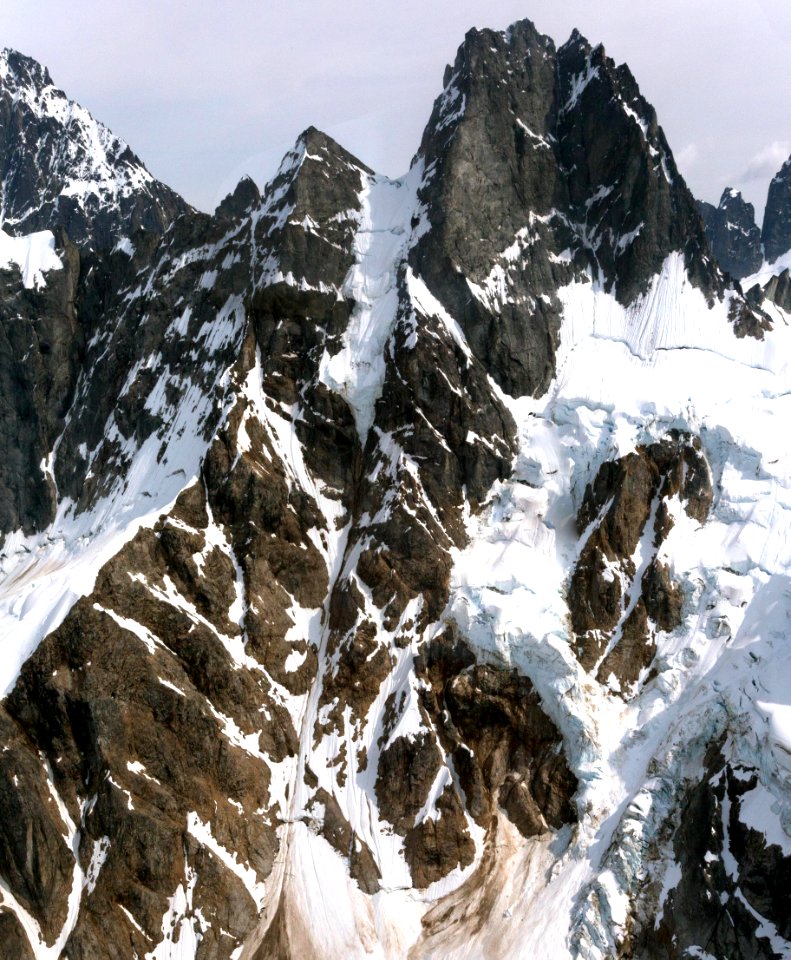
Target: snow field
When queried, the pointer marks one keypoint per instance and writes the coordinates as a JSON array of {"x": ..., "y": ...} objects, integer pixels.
[
  {"x": 34, "y": 255},
  {"x": 626, "y": 377}
]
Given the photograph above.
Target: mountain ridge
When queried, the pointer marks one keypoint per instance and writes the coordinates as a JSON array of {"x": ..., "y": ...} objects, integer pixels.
[{"x": 410, "y": 571}]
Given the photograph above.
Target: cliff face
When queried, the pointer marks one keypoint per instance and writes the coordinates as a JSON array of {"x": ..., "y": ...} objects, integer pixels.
[
  {"x": 394, "y": 567},
  {"x": 542, "y": 165}
]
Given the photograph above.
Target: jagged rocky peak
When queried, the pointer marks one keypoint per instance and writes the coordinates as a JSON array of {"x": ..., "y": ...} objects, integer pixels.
[
  {"x": 490, "y": 185},
  {"x": 733, "y": 234},
  {"x": 313, "y": 204},
  {"x": 776, "y": 233},
  {"x": 19, "y": 72},
  {"x": 59, "y": 166},
  {"x": 555, "y": 151},
  {"x": 327, "y": 179},
  {"x": 778, "y": 290},
  {"x": 244, "y": 197},
  {"x": 625, "y": 191}
]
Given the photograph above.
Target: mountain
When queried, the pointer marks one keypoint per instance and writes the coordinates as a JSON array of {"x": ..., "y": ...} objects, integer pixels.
[
  {"x": 733, "y": 234},
  {"x": 61, "y": 167},
  {"x": 394, "y": 568},
  {"x": 760, "y": 259}
]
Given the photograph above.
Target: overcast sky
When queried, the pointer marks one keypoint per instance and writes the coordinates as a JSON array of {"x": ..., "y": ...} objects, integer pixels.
[{"x": 208, "y": 90}]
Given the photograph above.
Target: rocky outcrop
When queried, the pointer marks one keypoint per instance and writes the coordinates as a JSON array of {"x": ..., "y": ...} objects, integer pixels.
[
  {"x": 729, "y": 895},
  {"x": 505, "y": 749},
  {"x": 621, "y": 592},
  {"x": 244, "y": 198},
  {"x": 41, "y": 344},
  {"x": 776, "y": 232},
  {"x": 486, "y": 724},
  {"x": 778, "y": 290},
  {"x": 733, "y": 234}
]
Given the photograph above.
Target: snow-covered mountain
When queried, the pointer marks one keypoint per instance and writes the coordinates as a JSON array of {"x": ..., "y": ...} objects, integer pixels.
[
  {"x": 60, "y": 167},
  {"x": 392, "y": 568}
]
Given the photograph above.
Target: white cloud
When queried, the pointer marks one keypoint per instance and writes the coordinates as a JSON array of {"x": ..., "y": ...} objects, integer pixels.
[
  {"x": 687, "y": 157},
  {"x": 767, "y": 162}
]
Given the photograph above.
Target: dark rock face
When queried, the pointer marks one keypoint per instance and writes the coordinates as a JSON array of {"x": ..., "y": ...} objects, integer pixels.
[
  {"x": 60, "y": 171},
  {"x": 40, "y": 348},
  {"x": 504, "y": 747},
  {"x": 620, "y": 592},
  {"x": 181, "y": 329},
  {"x": 491, "y": 171},
  {"x": 631, "y": 198},
  {"x": 505, "y": 751},
  {"x": 733, "y": 234},
  {"x": 138, "y": 707},
  {"x": 543, "y": 165},
  {"x": 243, "y": 198},
  {"x": 335, "y": 828},
  {"x": 776, "y": 233},
  {"x": 731, "y": 886}
]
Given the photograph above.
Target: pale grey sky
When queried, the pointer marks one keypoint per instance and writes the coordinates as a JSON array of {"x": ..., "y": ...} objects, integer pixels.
[{"x": 208, "y": 90}]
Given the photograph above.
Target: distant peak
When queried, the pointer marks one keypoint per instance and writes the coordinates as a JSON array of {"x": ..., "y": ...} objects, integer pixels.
[
  {"x": 315, "y": 139},
  {"x": 522, "y": 32},
  {"x": 731, "y": 196},
  {"x": 483, "y": 47},
  {"x": 23, "y": 69},
  {"x": 578, "y": 39},
  {"x": 733, "y": 203},
  {"x": 244, "y": 196},
  {"x": 313, "y": 143}
]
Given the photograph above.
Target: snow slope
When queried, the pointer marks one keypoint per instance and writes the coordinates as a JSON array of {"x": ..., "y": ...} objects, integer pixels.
[
  {"x": 33, "y": 254},
  {"x": 626, "y": 377}
]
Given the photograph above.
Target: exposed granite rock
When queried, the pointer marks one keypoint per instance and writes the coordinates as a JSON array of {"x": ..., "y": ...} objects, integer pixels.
[
  {"x": 748, "y": 320},
  {"x": 734, "y": 236},
  {"x": 241, "y": 200},
  {"x": 504, "y": 750},
  {"x": 633, "y": 202},
  {"x": 153, "y": 344},
  {"x": 335, "y": 829},
  {"x": 151, "y": 730},
  {"x": 778, "y": 290},
  {"x": 504, "y": 747},
  {"x": 491, "y": 170}
]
